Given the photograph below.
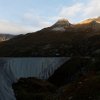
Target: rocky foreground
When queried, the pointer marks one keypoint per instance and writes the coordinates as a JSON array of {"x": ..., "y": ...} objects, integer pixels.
[{"x": 77, "y": 79}]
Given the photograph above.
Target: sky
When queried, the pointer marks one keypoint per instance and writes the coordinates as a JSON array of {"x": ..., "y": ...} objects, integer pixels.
[{"x": 22, "y": 16}]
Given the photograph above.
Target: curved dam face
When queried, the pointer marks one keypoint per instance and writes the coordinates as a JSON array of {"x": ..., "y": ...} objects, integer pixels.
[{"x": 11, "y": 69}]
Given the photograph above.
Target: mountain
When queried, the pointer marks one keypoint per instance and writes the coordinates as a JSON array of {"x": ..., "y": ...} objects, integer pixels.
[
  {"x": 5, "y": 37},
  {"x": 93, "y": 23},
  {"x": 90, "y": 20},
  {"x": 60, "y": 39},
  {"x": 60, "y": 25}
]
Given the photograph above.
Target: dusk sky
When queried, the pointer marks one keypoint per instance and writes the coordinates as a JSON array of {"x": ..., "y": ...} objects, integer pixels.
[{"x": 22, "y": 16}]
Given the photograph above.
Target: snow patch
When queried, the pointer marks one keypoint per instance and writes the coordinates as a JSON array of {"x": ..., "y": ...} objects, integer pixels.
[{"x": 58, "y": 29}]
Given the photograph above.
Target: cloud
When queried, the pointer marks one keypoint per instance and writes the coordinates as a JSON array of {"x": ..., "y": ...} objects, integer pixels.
[
  {"x": 92, "y": 9},
  {"x": 81, "y": 10},
  {"x": 28, "y": 22},
  {"x": 76, "y": 12},
  {"x": 32, "y": 21},
  {"x": 71, "y": 11},
  {"x": 36, "y": 20},
  {"x": 12, "y": 27}
]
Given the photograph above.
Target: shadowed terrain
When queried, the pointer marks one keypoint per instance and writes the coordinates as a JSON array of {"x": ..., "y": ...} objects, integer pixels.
[
  {"x": 76, "y": 79},
  {"x": 61, "y": 39}
]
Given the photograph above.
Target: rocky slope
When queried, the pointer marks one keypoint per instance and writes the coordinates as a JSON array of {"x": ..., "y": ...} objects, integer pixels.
[
  {"x": 77, "y": 79},
  {"x": 33, "y": 89},
  {"x": 61, "y": 39},
  {"x": 90, "y": 20},
  {"x": 4, "y": 37}
]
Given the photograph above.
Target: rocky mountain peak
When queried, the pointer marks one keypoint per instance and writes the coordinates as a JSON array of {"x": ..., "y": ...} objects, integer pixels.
[
  {"x": 97, "y": 19},
  {"x": 91, "y": 20},
  {"x": 62, "y": 23}
]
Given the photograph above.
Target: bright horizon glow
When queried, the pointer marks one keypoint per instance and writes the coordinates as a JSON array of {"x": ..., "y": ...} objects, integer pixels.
[{"x": 22, "y": 16}]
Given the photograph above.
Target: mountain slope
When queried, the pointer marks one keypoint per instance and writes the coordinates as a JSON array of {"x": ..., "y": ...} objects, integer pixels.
[
  {"x": 90, "y": 20},
  {"x": 61, "y": 39},
  {"x": 4, "y": 37},
  {"x": 60, "y": 25},
  {"x": 78, "y": 79}
]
